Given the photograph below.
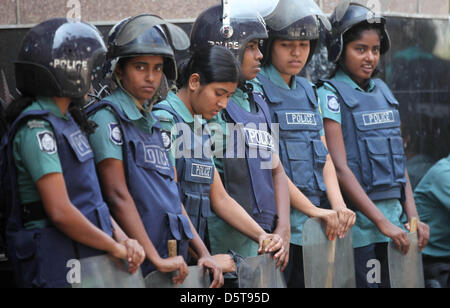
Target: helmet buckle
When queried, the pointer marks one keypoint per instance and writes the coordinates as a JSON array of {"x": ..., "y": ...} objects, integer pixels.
[{"x": 227, "y": 31}]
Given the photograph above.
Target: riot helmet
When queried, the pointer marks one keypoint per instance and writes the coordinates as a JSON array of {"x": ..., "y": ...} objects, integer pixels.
[
  {"x": 295, "y": 20},
  {"x": 233, "y": 25},
  {"x": 59, "y": 57},
  {"x": 145, "y": 35},
  {"x": 346, "y": 16}
]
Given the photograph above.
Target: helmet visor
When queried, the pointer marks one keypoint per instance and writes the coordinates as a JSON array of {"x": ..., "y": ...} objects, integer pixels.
[
  {"x": 290, "y": 11},
  {"x": 137, "y": 26}
]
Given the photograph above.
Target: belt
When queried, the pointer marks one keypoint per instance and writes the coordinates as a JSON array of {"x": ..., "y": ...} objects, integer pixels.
[{"x": 33, "y": 211}]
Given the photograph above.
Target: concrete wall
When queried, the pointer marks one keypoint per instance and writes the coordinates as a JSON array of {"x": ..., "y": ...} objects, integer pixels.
[
  {"x": 26, "y": 12},
  {"x": 429, "y": 8}
]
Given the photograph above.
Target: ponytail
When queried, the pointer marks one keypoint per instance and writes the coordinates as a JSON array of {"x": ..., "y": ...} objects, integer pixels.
[{"x": 80, "y": 117}]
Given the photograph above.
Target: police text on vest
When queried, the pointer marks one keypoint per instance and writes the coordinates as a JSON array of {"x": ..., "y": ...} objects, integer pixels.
[{"x": 375, "y": 118}]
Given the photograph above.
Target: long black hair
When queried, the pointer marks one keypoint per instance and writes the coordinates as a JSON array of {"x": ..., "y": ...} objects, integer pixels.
[{"x": 213, "y": 64}]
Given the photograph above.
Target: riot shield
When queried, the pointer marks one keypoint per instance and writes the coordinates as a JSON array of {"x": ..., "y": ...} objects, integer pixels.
[
  {"x": 107, "y": 272},
  {"x": 327, "y": 264},
  {"x": 406, "y": 271},
  {"x": 260, "y": 272},
  {"x": 198, "y": 276}
]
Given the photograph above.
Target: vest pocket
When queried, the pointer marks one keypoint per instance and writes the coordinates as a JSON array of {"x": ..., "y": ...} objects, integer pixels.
[
  {"x": 179, "y": 227},
  {"x": 192, "y": 204},
  {"x": 206, "y": 212},
  {"x": 320, "y": 159},
  {"x": 186, "y": 227},
  {"x": 198, "y": 208},
  {"x": 398, "y": 159},
  {"x": 299, "y": 154},
  {"x": 55, "y": 250},
  {"x": 26, "y": 243},
  {"x": 379, "y": 160},
  {"x": 104, "y": 219},
  {"x": 174, "y": 226}
]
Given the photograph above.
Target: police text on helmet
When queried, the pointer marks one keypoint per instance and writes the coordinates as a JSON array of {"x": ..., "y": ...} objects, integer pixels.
[{"x": 70, "y": 65}]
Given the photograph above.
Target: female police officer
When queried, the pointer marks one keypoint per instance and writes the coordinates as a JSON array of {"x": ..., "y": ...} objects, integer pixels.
[
  {"x": 136, "y": 175},
  {"x": 362, "y": 127},
  {"x": 293, "y": 34},
  {"x": 57, "y": 212},
  {"x": 207, "y": 81},
  {"x": 250, "y": 179}
]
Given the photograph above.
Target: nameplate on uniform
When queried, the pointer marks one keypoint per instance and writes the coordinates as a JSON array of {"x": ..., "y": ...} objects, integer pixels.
[
  {"x": 157, "y": 156},
  {"x": 301, "y": 118},
  {"x": 80, "y": 143},
  {"x": 201, "y": 171},
  {"x": 259, "y": 138},
  {"x": 376, "y": 118}
]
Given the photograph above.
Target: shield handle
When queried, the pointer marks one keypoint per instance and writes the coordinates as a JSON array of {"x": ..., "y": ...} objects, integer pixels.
[
  {"x": 265, "y": 243},
  {"x": 413, "y": 225},
  {"x": 172, "y": 247}
]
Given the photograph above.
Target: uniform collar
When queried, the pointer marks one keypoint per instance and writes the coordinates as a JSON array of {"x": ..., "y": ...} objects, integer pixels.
[
  {"x": 241, "y": 98},
  {"x": 47, "y": 103},
  {"x": 177, "y": 104},
  {"x": 128, "y": 107},
  {"x": 342, "y": 76},
  {"x": 274, "y": 76},
  {"x": 126, "y": 104}
]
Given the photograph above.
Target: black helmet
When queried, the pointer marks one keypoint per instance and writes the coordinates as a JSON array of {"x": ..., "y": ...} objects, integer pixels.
[
  {"x": 145, "y": 35},
  {"x": 59, "y": 57},
  {"x": 347, "y": 15},
  {"x": 232, "y": 25},
  {"x": 295, "y": 20}
]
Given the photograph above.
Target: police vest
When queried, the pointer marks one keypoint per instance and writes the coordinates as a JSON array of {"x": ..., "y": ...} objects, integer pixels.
[
  {"x": 40, "y": 256},
  {"x": 247, "y": 174},
  {"x": 302, "y": 152},
  {"x": 195, "y": 172},
  {"x": 373, "y": 140},
  {"x": 150, "y": 181}
]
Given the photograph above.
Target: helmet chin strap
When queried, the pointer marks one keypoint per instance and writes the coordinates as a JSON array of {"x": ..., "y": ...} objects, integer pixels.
[{"x": 139, "y": 106}]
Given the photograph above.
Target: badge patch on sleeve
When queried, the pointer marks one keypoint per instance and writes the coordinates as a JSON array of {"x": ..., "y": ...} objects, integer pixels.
[
  {"x": 333, "y": 104},
  {"x": 115, "y": 134},
  {"x": 47, "y": 142},
  {"x": 167, "y": 139}
]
